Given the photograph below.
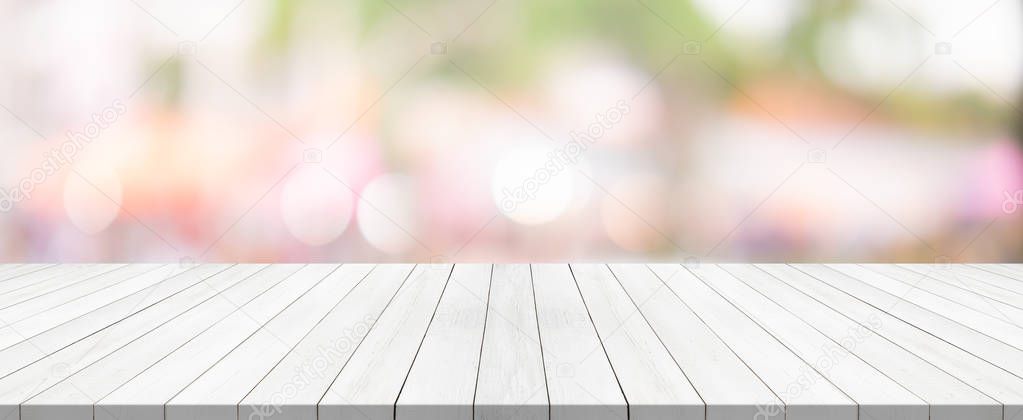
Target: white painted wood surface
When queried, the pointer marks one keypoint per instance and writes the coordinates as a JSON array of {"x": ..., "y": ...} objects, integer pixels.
[
  {"x": 872, "y": 371},
  {"x": 511, "y": 383},
  {"x": 1009, "y": 277},
  {"x": 831, "y": 309},
  {"x": 580, "y": 380},
  {"x": 953, "y": 309},
  {"x": 216, "y": 393},
  {"x": 726, "y": 384},
  {"x": 805, "y": 392},
  {"x": 297, "y": 383},
  {"x": 587, "y": 341},
  {"x": 442, "y": 382},
  {"x": 1008, "y": 282},
  {"x": 142, "y": 397},
  {"x": 653, "y": 384},
  {"x": 975, "y": 295},
  {"x": 370, "y": 382},
  {"x": 20, "y": 270}
]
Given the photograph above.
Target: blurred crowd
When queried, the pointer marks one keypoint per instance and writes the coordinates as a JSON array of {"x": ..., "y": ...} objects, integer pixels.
[{"x": 529, "y": 130}]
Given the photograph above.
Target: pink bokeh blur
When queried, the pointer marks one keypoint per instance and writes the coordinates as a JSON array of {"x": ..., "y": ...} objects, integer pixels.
[{"x": 473, "y": 130}]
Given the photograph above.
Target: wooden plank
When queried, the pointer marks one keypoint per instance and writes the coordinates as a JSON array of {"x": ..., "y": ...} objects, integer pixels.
[
  {"x": 996, "y": 328},
  {"x": 972, "y": 281},
  {"x": 879, "y": 375},
  {"x": 996, "y": 275},
  {"x": 143, "y": 396},
  {"x": 51, "y": 339},
  {"x": 42, "y": 281},
  {"x": 93, "y": 273},
  {"x": 511, "y": 382},
  {"x": 990, "y": 349},
  {"x": 1016, "y": 267},
  {"x": 1010, "y": 271},
  {"x": 977, "y": 295},
  {"x": 654, "y": 385},
  {"x": 74, "y": 398},
  {"x": 602, "y": 342},
  {"x": 216, "y": 393},
  {"x": 990, "y": 274},
  {"x": 24, "y": 270},
  {"x": 580, "y": 387},
  {"x": 14, "y": 312},
  {"x": 827, "y": 307},
  {"x": 807, "y": 394},
  {"x": 442, "y": 382},
  {"x": 295, "y": 385},
  {"x": 855, "y": 374},
  {"x": 7, "y": 267},
  {"x": 369, "y": 384},
  {"x": 729, "y": 388},
  {"x": 23, "y": 383}
]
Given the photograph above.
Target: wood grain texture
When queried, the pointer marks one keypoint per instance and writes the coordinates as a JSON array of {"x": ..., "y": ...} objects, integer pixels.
[
  {"x": 442, "y": 381},
  {"x": 830, "y": 309},
  {"x": 729, "y": 388},
  {"x": 510, "y": 341},
  {"x": 580, "y": 381},
  {"x": 952, "y": 309},
  {"x": 885, "y": 380},
  {"x": 216, "y": 393},
  {"x": 654, "y": 385},
  {"x": 294, "y": 387},
  {"x": 805, "y": 392},
  {"x": 370, "y": 382},
  {"x": 511, "y": 382},
  {"x": 978, "y": 296},
  {"x": 143, "y": 396},
  {"x": 79, "y": 393},
  {"x": 23, "y": 270}
]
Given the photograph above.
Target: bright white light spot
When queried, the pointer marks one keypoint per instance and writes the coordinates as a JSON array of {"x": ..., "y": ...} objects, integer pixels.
[
  {"x": 386, "y": 213},
  {"x": 752, "y": 19},
  {"x": 871, "y": 52},
  {"x": 528, "y": 190},
  {"x": 94, "y": 202},
  {"x": 588, "y": 93},
  {"x": 316, "y": 207}
]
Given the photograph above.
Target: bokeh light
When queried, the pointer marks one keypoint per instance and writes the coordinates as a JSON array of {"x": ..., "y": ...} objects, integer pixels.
[
  {"x": 527, "y": 189},
  {"x": 92, "y": 198},
  {"x": 316, "y": 208},
  {"x": 386, "y": 213},
  {"x": 309, "y": 130}
]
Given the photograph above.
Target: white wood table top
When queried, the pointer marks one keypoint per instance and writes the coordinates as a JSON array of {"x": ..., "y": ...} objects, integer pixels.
[{"x": 511, "y": 341}]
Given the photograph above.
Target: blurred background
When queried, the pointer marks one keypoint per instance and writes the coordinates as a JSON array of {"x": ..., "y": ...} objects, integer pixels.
[{"x": 498, "y": 130}]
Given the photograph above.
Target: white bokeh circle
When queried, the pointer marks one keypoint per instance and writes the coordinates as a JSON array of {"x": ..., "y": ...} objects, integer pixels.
[
  {"x": 316, "y": 208},
  {"x": 386, "y": 213},
  {"x": 92, "y": 198},
  {"x": 530, "y": 191}
]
